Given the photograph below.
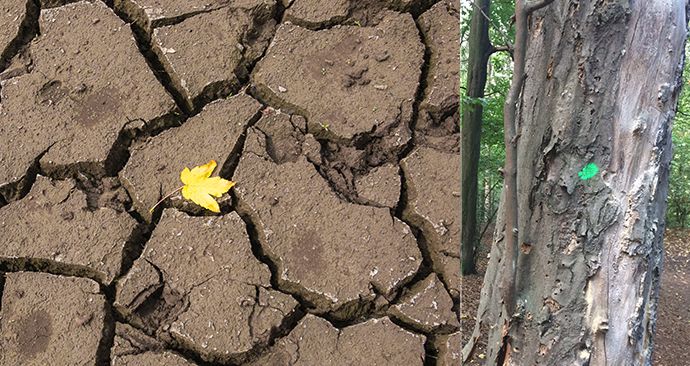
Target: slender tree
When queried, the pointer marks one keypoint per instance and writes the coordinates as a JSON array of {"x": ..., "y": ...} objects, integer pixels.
[
  {"x": 477, "y": 65},
  {"x": 479, "y": 51},
  {"x": 574, "y": 271}
]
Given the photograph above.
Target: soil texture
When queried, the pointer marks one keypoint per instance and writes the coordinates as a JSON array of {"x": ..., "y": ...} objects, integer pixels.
[{"x": 336, "y": 246}]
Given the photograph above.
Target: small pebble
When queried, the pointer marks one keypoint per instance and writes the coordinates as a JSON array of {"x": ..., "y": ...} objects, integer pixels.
[
  {"x": 84, "y": 320},
  {"x": 67, "y": 215},
  {"x": 382, "y": 57}
]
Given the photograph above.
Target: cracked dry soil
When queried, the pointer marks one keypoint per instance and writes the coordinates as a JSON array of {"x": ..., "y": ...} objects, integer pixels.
[{"x": 339, "y": 122}]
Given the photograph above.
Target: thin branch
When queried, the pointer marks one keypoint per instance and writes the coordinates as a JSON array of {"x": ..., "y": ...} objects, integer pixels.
[
  {"x": 488, "y": 222},
  {"x": 678, "y": 111},
  {"x": 493, "y": 186},
  {"x": 506, "y": 48},
  {"x": 532, "y": 6},
  {"x": 507, "y": 286},
  {"x": 491, "y": 93}
]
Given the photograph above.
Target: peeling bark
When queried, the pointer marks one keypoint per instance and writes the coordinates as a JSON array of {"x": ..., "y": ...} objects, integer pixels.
[{"x": 601, "y": 82}]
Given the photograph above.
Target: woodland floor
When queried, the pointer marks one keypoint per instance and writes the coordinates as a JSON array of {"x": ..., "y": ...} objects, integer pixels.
[
  {"x": 673, "y": 325},
  {"x": 337, "y": 246}
]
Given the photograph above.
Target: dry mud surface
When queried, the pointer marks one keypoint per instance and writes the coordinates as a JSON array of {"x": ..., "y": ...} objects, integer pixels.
[{"x": 338, "y": 121}]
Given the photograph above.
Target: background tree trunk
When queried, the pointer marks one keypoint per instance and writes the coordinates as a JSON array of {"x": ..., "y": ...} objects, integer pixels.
[
  {"x": 601, "y": 85},
  {"x": 479, "y": 51},
  {"x": 486, "y": 197}
]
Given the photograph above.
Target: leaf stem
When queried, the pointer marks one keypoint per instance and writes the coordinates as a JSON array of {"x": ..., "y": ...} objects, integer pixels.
[{"x": 164, "y": 198}]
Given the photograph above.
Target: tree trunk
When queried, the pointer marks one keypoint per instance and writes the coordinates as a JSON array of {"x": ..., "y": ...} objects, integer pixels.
[
  {"x": 488, "y": 207},
  {"x": 682, "y": 205},
  {"x": 601, "y": 82},
  {"x": 479, "y": 51}
]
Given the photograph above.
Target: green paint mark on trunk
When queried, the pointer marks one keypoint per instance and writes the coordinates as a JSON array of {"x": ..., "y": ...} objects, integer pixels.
[{"x": 589, "y": 171}]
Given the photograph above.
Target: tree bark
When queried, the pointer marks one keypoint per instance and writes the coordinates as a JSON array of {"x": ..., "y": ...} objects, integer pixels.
[
  {"x": 486, "y": 201},
  {"x": 479, "y": 51},
  {"x": 601, "y": 81},
  {"x": 510, "y": 135}
]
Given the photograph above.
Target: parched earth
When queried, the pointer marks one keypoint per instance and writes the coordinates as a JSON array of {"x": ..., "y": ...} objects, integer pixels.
[{"x": 339, "y": 123}]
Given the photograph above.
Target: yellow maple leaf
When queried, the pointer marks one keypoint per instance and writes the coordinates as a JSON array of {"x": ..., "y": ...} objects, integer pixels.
[{"x": 200, "y": 188}]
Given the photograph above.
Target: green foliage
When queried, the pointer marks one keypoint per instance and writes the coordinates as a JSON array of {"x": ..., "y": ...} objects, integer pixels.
[
  {"x": 679, "y": 185},
  {"x": 501, "y": 31},
  {"x": 492, "y": 153}
]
